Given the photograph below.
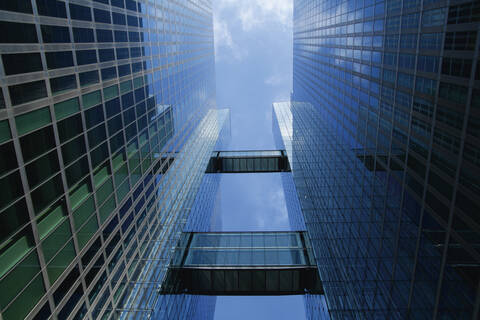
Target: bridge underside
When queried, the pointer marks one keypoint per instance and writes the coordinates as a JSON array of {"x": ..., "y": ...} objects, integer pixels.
[{"x": 243, "y": 263}]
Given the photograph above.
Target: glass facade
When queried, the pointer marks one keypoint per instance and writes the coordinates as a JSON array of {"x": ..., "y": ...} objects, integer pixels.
[
  {"x": 95, "y": 97},
  {"x": 387, "y": 173}
]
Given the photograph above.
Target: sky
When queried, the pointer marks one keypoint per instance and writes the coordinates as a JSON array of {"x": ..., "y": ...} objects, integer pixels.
[{"x": 253, "y": 56}]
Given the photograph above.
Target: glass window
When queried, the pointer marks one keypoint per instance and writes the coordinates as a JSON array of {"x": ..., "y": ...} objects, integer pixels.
[
  {"x": 83, "y": 212},
  {"x": 42, "y": 168},
  {"x": 106, "y": 55},
  {"x": 122, "y": 53},
  {"x": 51, "y": 217},
  {"x": 431, "y": 41},
  {"x": 77, "y": 171},
  {"x": 37, "y": 143},
  {"x": 99, "y": 155},
  {"x": 101, "y": 15},
  {"x": 46, "y": 193},
  {"x": 88, "y": 78},
  {"x": 8, "y": 160},
  {"x": 453, "y": 92},
  {"x": 55, "y": 34},
  {"x": 435, "y": 17},
  {"x": 17, "y": 32},
  {"x": 63, "y": 84},
  {"x": 121, "y": 36},
  {"x": 94, "y": 116},
  {"x": 91, "y": 99},
  {"x": 52, "y": 8},
  {"x": 119, "y": 18},
  {"x": 69, "y": 128},
  {"x": 124, "y": 70},
  {"x": 83, "y": 35},
  {"x": 33, "y": 120},
  {"x": 73, "y": 150},
  {"x": 65, "y": 108},
  {"x": 59, "y": 59},
  {"x": 110, "y": 92},
  {"x": 56, "y": 240},
  {"x": 26, "y": 92},
  {"x": 81, "y": 191},
  {"x": 112, "y": 107},
  {"x": 24, "y": 6},
  {"x": 21, "y": 63},
  {"x": 86, "y": 57},
  {"x": 96, "y": 136},
  {"x": 109, "y": 73},
  {"x": 104, "y": 35},
  {"x": 87, "y": 231},
  {"x": 80, "y": 12}
]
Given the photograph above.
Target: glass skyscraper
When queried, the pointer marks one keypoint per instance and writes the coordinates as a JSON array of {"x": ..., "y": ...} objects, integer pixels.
[
  {"x": 382, "y": 135},
  {"x": 107, "y": 124}
]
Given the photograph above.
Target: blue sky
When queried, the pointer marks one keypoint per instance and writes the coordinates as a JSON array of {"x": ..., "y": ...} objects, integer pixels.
[{"x": 253, "y": 51}]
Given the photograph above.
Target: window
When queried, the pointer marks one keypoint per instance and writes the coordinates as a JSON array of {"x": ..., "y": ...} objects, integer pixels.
[
  {"x": 133, "y": 36},
  {"x": 428, "y": 64},
  {"x": 33, "y": 120},
  {"x": 37, "y": 143},
  {"x": 80, "y": 12},
  {"x": 410, "y": 21},
  {"x": 408, "y": 41},
  {"x": 435, "y": 17},
  {"x": 62, "y": 84},
  {"x": 83, "y": 35},
  {"x": 65, "y": 108},
  {"x": 8, "y": 161},
  {"x": 11, "y": 187},
  {"x": 91, "y": 99},
  {"x": 94, "y": 116},
  {"x": 121, "y": 36},
  {"x": 426, "y": 86},
  {"x": 460, "y": 40},
  {"x": 406, "y": 61},
  {"x": 27, "y": 92},
  {"x": 432, "y": 41},
  {"x": 465, "y": 13},
  {"x": 69, "y": 127},
  {"x": 109, "y": 73},
  {"x": 101, "y": 16},
  {"x": 46, "y": 193},
  {"x": 24, "y": 6},
  {"x": 12, "y": 219},
  {"x": 52, "y": 8},
  {"x": 124, "y": 70},
  {"x": 456, "y": 67},
  {"x": 96, "y": 136},
  {"x": 86, "y": 57},
  {"x": 119, "y": 18},
  {"x": 21, "y": 63},
  {"x": 104, "y": 35},
  {"x": 55, "y": 34},
  {"x": 132, "y": 21},
  {"x": 17, "y": 32},
  {"x": 59, "y": 59},
  {"x": 88, "y": 78},
  {"x": 122, "y": 53},
  {"x": 76, "y": 171},
  {"x": 112, "y": 107},
  {"x": 106, "y": 54},
  {"x": 42, "y": 169},
  {"x": 73, "y": 150},
  {"x": 453, "y": 92}
]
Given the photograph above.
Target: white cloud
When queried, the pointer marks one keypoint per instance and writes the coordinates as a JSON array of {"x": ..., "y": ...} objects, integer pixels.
[
  {"x": 223, "y": 40},
  {"x": 276, "y": 79},
  {"x": 250, "y": 14},
  {"x": 253, "y": 13}
]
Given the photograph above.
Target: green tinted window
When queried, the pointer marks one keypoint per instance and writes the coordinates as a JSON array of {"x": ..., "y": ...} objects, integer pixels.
[
  {"x": 61, "y": 261},
  {"x": 110, "y": 92},
  {"x": 83, "y": 212},
  {"x": 126, "y": 86},
  {"x": 104, "y": 191},
  {"x": 33, "y": 120},
  {"x": 87, "y": 231},
  {"x": 107, "y": 209},
  {"x": 80, "y": 192},
  {"x": 50, "y": 218},
  {"x": 65, "y": 108},
  {"x": 56, "y": 240},
  {"x": 14, "y": 250},
  {"x": 137, "y": 82},
  {"x": 91, "y": 99},
  {"x": 46, "y": 193}
]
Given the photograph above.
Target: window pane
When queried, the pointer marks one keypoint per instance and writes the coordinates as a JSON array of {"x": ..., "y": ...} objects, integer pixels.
[
  {"x": 21, "y": 63},
  {"x": 66, "y": 108},
  {"x": 27, "y": 92},
  {"x": 55, "y": 34},
  {"x": 13, "y": 219},
  {"x": 51, "y": 217},
  {"x": 42, "y": 168},
  {"x": 59, "y": 59},
  {"x": 17, "y": 32},
  {"x": 11, "y": 187},
  {"x": 36, "y": 143},
  {"x": 8, "y": 160},
  {"x": 73, "y": 150},
  {"x": 62, "y": 84},
  {"x": 91, "y": 99},
  {"x": 46, "y": 193}
]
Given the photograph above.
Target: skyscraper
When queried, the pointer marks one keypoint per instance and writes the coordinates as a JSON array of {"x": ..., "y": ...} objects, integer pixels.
[
  {"x": 382, "y": 137},
  {"x": 107, "y": 124}
]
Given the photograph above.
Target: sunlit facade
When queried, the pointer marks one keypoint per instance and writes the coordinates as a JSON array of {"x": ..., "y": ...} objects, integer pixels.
[
  {"x": 107, "y": 124},
  {"x": 382, "y": 136}
]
